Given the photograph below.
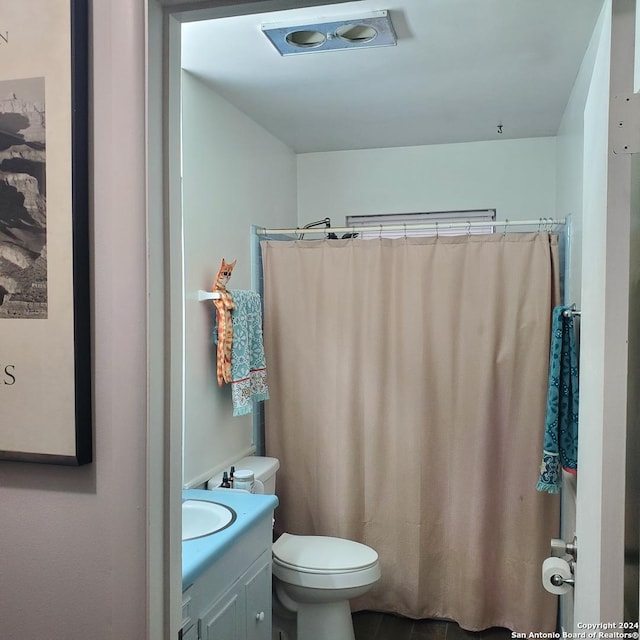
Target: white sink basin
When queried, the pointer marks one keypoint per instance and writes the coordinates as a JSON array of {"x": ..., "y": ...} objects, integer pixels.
[{"x": 202, "y": 518}]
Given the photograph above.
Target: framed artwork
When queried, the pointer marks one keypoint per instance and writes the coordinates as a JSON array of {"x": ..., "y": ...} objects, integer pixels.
[{"x": 45, "y": 339}]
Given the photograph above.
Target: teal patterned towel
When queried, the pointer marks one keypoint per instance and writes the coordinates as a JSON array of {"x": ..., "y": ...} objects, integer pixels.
[
  {"x": 248, "y": 367},
  {"x": 561, "y": 424}
]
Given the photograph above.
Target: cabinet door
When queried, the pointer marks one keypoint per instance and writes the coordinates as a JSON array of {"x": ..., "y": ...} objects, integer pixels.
[
  {"x": 189, "y": 629},
  {"x": 223, "y": 620},
  {"x": 191, "y": 634},
  {"x": 257, "y": 588}
]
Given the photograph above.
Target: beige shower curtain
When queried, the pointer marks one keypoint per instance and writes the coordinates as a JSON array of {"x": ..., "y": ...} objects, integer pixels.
[{"x": 408, "y": 387}]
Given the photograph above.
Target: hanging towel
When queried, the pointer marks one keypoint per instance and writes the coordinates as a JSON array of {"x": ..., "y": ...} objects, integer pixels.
[
  {"x": 248, "y": 367},
  {"x": 561, "y": 424}
]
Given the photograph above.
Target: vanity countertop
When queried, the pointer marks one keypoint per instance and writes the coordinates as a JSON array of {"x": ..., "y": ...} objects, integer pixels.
[{"x": 198, "y": 554}]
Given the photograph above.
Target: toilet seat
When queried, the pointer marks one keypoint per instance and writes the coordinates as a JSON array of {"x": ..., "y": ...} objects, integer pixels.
[
  {"x": 321, "y": 562},
  {"x": 322, "y": 554}
]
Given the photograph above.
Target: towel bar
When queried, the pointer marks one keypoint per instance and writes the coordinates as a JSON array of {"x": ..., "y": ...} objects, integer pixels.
[
  {"x": 568, "y": 313},
  {"x": 208, "y": 295}
]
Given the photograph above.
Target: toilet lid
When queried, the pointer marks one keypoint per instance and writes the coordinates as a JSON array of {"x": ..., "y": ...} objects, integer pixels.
[{"x": 323, "y": 553}]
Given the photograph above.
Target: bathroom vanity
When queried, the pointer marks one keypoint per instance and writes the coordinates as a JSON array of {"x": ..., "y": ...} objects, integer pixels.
[{"x": 226, "y": 575}]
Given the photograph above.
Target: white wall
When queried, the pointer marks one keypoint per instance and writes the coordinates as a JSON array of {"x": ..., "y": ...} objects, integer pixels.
[
  {"x": 73, "y": 561},
  {"x": 516, "y": 177},
  {"x": 570, "y": 150},
  {"x": 235, "y": 174}
]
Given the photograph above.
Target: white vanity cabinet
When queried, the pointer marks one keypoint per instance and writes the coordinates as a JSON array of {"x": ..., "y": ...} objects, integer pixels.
[
  {"x": 231, "y": 599},
  {"x": 245, "y": 610}
]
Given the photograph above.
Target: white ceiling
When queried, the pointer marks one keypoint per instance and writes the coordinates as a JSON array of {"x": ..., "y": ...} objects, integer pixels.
[{"x": 460, "y": 68}]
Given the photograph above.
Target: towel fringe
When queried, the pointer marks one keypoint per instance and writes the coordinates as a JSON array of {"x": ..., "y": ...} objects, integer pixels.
[{"x": 549, "y": 488}]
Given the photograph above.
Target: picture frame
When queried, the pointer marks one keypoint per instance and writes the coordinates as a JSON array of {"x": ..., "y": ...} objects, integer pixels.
[{"x": 45, "y": 330}]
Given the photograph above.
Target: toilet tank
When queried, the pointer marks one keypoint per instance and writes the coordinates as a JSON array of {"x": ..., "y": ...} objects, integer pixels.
[{"x": 264, "y": 469}]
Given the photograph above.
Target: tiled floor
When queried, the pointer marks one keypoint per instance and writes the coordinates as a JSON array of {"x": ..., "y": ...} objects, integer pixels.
[{"x": 370, "y": 625}]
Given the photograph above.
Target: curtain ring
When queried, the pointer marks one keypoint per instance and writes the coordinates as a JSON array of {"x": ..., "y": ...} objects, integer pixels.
[
  {"x": 437, "y": 231},
  {"x": 405, "y": 230},
  {"x": 468, "y": 227},
  {"x": 506, "y": 223}
]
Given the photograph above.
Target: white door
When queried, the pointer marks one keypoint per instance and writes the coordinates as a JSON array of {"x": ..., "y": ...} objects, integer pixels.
[{"x": 600, "y": 507}]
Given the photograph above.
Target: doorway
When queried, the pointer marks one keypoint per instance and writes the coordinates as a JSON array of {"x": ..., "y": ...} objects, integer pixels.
[{"x": 173, "y": 18}]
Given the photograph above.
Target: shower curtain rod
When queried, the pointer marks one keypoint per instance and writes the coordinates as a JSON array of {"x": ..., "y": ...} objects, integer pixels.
[{"x": 541, "y": 223}]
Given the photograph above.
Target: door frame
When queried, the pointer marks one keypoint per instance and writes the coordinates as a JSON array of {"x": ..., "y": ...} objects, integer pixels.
[{"x": 598, "y": 592}]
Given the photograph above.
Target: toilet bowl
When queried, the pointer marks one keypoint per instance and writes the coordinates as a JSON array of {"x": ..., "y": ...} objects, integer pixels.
[{"x": 316, "y": 576}]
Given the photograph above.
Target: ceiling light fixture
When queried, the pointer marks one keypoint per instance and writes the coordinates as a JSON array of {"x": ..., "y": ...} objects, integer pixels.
[{"x": 371, "y": 30}]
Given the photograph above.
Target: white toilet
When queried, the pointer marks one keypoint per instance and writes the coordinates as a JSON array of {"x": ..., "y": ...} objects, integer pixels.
[{"x": 314, "y": 577}]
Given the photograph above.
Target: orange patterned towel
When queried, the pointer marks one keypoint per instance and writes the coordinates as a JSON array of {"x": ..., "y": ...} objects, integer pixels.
[{"x": 224, "y": 304}]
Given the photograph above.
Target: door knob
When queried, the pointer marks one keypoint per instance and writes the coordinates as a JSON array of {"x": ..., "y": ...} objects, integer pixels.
[{"x": 260, "y": 616}]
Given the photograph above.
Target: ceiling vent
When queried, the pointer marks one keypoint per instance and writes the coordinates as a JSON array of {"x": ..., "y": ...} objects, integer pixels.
[{"x": 371, "y": 30}]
